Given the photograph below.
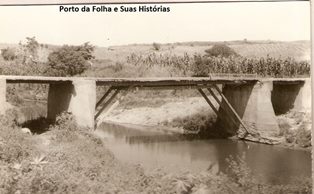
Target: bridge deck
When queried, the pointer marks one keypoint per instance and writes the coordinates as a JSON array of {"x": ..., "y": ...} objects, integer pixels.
[{"x": 158, "y": 81}]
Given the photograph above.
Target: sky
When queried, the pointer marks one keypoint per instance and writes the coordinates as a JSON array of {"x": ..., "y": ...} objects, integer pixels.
[{"x": 283, "y": 21}]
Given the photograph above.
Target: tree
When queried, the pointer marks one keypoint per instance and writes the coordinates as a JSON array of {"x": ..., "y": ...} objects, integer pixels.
[
  {"x": 32, "y": 46},
  {"x": 8, "y": 54},
  {"x": 70, "y": 60},
  {"x": 220, "y": 50},
  {"x": 28, "y": 53}
]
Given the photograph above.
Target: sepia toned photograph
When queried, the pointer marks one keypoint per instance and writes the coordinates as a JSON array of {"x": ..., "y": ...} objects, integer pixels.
[{"x": 130, "y": 98}]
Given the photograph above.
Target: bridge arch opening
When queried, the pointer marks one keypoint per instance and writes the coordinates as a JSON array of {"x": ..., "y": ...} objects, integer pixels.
[
  {"x": 27, "y": 104},
  {"x": 291, "y": 96}
]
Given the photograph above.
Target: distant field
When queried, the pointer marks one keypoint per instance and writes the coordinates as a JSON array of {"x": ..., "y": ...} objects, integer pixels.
[{"x": 300, "y": 50}]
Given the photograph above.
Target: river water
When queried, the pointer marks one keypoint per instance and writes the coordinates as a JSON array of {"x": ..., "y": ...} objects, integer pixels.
[{"x": 153, "y": 150}]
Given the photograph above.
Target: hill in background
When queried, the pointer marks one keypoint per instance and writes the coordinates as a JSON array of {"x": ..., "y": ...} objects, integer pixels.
[{"x": 299, "y": 50}]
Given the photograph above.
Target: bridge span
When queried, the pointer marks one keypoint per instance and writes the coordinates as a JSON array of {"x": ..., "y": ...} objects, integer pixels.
[{"x": 245, "y": 103}]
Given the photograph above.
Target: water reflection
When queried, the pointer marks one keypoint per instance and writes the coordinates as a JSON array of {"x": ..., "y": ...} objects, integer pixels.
[{"x": 176, "y": 153}]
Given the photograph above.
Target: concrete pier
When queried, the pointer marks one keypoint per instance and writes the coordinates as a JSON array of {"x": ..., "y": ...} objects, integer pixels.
[
  {"x": 303, "y": 100},
  {"x": 291, "y": 96},
  {"x": 77, "y": 97},
  {"x": 59, "y": 97},
  {"x": 253, "y": 104}
]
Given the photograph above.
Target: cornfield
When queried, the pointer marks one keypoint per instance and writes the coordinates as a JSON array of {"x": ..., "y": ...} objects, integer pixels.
[
  {"x": 264, "y": 67},
  {"x": 179, "y": 64},
  {"x": 199, "y": 65}
]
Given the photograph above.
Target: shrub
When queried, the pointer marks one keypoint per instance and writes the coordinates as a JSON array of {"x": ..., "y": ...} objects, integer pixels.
[
  {"x": 14, "y": 147},
  {"x": 220, "y": 50},
  {"x": 70, "y": 60},
  {"x": 202, "y": 123},
  {"x": 156, "y": 46},
  {"x": 303, "y": 137},
  {"x": 17, "y": 68},
  {"x": 65, "y": 127},
  {"x": 118, "y": 67},
  {"x": 8, "y": 54}
]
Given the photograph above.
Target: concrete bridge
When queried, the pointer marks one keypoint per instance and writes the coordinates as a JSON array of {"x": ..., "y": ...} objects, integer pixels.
[{"x": 248, "y": 103}]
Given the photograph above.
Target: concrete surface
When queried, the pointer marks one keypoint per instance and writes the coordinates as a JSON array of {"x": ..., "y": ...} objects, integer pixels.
[
  {"x": 78, "y": 97},
  {"x": 253, "y": 104},
  {"x": 296, "y": 97}
]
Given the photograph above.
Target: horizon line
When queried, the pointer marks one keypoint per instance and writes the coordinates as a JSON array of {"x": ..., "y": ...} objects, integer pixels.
[{"x": 181, "y": 42}]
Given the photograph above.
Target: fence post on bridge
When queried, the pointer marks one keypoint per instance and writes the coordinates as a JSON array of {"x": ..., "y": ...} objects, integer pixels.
[{"x": 77, "y": 97}]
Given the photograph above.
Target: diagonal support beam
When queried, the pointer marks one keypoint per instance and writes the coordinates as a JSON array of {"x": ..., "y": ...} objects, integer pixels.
[
  {"x": 220, "y": 104},
  {"x": 233, "y": 111},
  {"x": 104, "y": 97},
  {"x": 107, "y": 103},
  {"x": 208, "y": 101},
  {"x": 111, "y": 106}
]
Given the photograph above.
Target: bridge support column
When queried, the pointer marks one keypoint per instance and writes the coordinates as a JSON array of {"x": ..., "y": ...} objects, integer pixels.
[
  {"x": 253, "y": 104},
  {"x": 3, "y": 103},
  {"x": 302, "y": 102},
  {"x": 78, "y": 98},
  {"x": 291, "y": 96}
]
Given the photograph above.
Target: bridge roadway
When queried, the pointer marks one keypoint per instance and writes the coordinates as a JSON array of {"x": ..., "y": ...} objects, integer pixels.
[
  {"x": 247, "y": 102},
  {"x": 156, "y": 81}
]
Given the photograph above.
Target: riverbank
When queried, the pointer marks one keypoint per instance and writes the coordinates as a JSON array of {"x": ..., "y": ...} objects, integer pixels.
[
  {"x": 193, "y": 115},
  {"x": 62, "y": 160},
  {"x": 169, "y": 110},
  {"x": 66, "y": 159}
]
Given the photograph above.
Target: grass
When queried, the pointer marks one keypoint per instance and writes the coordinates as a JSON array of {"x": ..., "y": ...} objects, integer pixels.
[
  {"x": 295, "y": 127},
  {"x": 74, "y": 161}
]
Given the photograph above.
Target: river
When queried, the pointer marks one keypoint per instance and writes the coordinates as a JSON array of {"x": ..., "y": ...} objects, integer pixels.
[{"x": 153, "y": 150}]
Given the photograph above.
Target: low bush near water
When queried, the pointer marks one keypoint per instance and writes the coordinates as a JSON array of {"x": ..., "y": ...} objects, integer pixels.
[
  {"x": 65, "y": 128},
  {"x": 295, "y": 127},
  {"x": 14, "y": 147},
  {"x": 202, "y": 123}
]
